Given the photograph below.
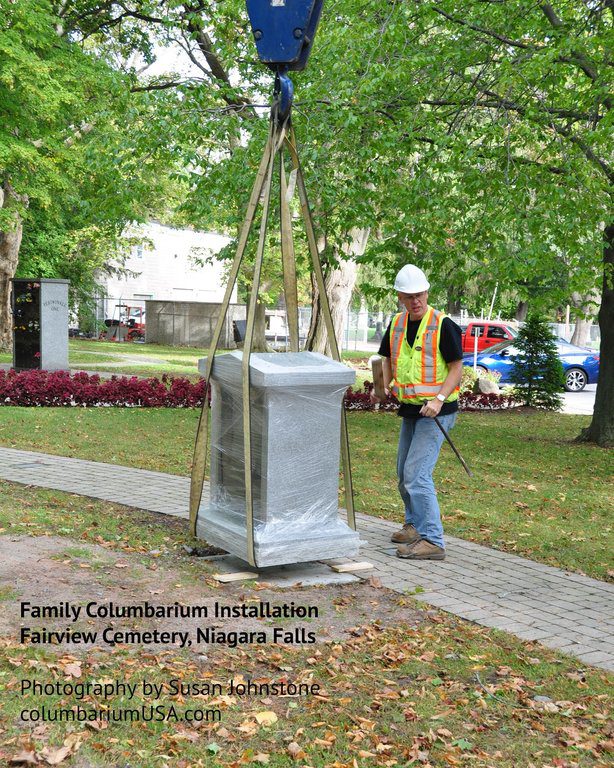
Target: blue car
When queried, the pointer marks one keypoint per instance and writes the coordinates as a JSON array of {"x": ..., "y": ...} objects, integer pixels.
[{"x": 581, "y": 366}]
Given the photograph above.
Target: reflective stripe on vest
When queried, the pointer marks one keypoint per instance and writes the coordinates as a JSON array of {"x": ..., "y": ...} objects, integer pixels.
[{"x": 431, "y": 375}]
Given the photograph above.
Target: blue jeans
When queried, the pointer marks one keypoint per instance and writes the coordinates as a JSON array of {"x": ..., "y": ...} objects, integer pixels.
[{"x": 419, "y": 444}]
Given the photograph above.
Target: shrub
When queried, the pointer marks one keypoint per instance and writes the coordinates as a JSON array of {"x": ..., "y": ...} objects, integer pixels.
[
  {"x": 537, "y": 372},
  {"x": 469, "y": 379}
]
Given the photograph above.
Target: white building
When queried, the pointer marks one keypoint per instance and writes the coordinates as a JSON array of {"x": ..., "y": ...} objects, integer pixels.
[{"x": 165, "y": 268}]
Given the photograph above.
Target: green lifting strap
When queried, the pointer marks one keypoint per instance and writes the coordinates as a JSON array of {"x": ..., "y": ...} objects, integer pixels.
[
  {"x": 280, "y": 137},
  {"x": 199, "y": 463},
  {"x": 288, "y": 259}
]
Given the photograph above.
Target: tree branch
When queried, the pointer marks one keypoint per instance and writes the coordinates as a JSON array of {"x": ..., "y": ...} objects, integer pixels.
[
  {"x": 481, "y": 30},
  {"x": 500, "y": 102},
  {"x": 205, "y": 45},
  {"x": 576, "y": 58},
  {"x": 157, "y": 86}
]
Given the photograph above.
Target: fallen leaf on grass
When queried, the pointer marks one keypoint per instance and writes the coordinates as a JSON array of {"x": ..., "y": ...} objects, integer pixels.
[
  {"x": 248, "y": 727},
  {"x": 95, "y": 725},
  {"x": 295, "y": 752},
  {"x": 24, "y": 758},
  {"x": 261, "y": 757},
  {"x": 122, "y": 565},
  {"x": 462, "y": 744},
  {"x": 73, "y": 669},
  {"x": 55, "y": 756},
  {"x": 266, "y": 718},
  {"x": 428, "y": 656}
]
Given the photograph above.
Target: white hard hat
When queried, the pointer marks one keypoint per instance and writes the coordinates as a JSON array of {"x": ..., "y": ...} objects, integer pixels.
[{"x": 411, "y": 279}]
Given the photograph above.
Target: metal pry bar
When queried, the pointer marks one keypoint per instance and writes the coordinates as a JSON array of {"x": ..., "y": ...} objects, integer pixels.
[{"x": 453, "y": 447}]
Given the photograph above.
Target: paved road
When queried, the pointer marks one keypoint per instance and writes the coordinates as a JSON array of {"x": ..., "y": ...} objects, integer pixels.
[
  {"x": 580, "y": 402},
  {"x": 561, "y": 610}
]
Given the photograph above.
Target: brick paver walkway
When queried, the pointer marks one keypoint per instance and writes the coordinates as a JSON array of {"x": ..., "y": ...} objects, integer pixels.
[{"x": 561, "y": 610}]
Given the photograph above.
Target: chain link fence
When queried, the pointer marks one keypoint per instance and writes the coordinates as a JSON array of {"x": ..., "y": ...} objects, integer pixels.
[{"x": 185, "y": 323}]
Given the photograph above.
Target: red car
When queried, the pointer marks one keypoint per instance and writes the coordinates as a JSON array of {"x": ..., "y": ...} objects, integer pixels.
[{"x": 489, "y": 332}]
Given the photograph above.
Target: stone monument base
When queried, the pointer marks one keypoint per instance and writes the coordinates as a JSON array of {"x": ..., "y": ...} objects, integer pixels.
[
  {"x": 277, "y": 544},
  {"x": 296, "y": 400}
]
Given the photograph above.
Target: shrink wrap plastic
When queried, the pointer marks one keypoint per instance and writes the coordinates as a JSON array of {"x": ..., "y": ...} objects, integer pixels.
[{"x": 295, "y": 412}]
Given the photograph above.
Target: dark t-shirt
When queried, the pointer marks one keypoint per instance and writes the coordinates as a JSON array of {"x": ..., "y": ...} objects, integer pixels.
[{"x": 451, "y": 348}]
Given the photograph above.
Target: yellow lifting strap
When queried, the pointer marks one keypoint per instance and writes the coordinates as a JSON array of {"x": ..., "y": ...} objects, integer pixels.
[{"x": 280, "y": 136}]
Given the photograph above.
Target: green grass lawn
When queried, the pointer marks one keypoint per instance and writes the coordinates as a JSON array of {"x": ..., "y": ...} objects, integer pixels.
[
  {"x": 534, "y": 491},
  {"x": 134, "y": 359},
  {"x": 144, "y": 360}
]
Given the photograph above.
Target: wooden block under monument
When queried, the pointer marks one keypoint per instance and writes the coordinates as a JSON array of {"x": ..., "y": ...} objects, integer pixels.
[
  {"x": 351, "y": 567},
  {"x": 236, "y": 576}
]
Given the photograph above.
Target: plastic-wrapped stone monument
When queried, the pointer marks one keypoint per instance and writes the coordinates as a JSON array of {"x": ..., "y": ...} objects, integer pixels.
[{"x": 296, "y": 401}]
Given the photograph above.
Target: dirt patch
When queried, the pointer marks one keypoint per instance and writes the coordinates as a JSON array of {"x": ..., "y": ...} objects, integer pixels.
[{"x": 88, "y": 589}]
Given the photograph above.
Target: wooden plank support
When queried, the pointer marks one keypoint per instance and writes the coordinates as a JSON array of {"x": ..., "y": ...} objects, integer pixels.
[
  {"x": 351, "y": 567},
  {"x": 224, "y": 578}
]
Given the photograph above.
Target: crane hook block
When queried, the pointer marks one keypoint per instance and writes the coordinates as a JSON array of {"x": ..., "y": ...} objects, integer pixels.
[{"x": 284, "y": 30}]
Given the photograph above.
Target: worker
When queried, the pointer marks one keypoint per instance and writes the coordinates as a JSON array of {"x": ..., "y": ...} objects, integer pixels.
[{"x": 422, "y": 363}]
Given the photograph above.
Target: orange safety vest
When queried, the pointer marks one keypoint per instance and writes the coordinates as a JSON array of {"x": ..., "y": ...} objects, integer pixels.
[{"x": 418, "y": 372}]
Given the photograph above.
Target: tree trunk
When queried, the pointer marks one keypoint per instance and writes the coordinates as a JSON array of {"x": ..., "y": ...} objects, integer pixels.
[
  {"x": 339, "y": 284},
  {"x": 455, "y": 295},
  {"x": 587, "y": 306},
  {"x": 259, "y": 343},
  {"x": 454, "y": 307},
  {"x": 522, "y": 309},
  {"x": 10, "y": 242},
  {"x": 601, "y": 428},
  {"x": 581, "y": 332}
]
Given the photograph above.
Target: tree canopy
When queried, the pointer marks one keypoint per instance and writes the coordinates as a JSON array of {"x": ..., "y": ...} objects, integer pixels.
[{"x": 471, "y": 136}]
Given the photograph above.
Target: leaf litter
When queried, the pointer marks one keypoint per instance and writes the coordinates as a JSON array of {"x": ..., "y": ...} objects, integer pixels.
[{"x": 399, "y": 685}]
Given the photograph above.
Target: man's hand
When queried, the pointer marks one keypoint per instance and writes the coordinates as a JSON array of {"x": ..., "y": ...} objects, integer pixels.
[
  {"x": 374, "y": 399},
  {"x": 431, "y": 408}
]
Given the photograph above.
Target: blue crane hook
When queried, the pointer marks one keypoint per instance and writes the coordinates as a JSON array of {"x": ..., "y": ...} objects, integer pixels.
[{"x": 284, "y": 31}]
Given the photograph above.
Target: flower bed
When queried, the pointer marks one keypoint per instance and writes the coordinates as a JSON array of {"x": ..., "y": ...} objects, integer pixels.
[
  {"x": 36, "y": 388},
  {"x": 60, "y": 388},
  {"x": 467, "y": 401},
  {"x": 478, "y": 401}
]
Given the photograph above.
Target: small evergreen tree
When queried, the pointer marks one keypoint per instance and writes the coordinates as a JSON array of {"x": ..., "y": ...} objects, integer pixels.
[{"x": 537, "y": 372}]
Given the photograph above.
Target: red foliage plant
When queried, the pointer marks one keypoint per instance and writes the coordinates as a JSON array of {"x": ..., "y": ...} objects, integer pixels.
[
  {"x": 60, "y": 388},
  {"x": 468, "y": 401}
]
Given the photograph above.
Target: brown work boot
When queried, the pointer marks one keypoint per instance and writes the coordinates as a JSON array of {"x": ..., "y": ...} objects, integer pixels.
[
  {"x": 421, "y": 550},
  {"x": 407, "y": 535}
]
